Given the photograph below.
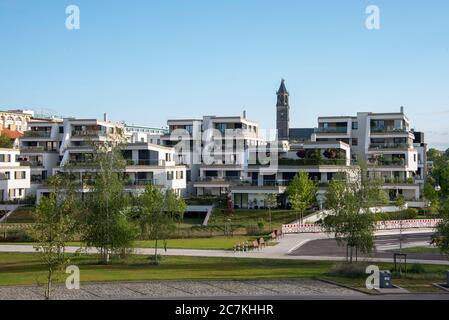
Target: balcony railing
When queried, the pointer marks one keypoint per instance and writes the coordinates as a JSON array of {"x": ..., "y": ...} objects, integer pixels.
[
  {"x": 398, "y": 180},
  {"x": 396, "y": 162},
  {"x": 140, "y": 182},
  {"x": 377, "y": 146},
  {"x": 36, "y": 149},
  {"x": 145, "y": 162},
  {"x": 31, "y": 163},
  {"x": 88, "y": 133},
  {"x": 311, "y": 162},
  {"x": 331, "y": 130},
  {"x": 388, "y": 130},
  {"x": 37, "y": 134}
]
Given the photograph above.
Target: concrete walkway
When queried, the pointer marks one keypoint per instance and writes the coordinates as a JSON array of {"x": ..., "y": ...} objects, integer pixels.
[{"x": 282, "y": 250}]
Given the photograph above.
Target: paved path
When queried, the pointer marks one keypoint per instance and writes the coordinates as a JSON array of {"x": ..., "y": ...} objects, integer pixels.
[
  {"x": 287, "y": 248},
  {"x": 175, "y": 289}
]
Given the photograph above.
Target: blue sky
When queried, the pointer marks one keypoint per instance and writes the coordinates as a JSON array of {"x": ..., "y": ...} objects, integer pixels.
[{"x": 147, "y": 61}]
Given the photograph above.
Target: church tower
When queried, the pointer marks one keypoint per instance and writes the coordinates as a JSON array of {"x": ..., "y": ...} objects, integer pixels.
[{"x": 282, "y": 114}]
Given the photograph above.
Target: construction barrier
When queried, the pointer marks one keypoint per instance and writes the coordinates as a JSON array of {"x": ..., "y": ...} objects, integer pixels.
[{"x": 380, "y": 225}]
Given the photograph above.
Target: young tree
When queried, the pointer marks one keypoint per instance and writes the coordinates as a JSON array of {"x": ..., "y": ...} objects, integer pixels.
[
  {"x": 271, "y": 201},
  {"x": 441, "y": 236},
  {"x": 54, "y": 225},
  {"x": 158, "y": 212},
  {"x": 400, "y": 203},
  {"x": 301, "y": 193},
  {"x": 350, "y": 197},
  {"x": 107, "y": 225}
]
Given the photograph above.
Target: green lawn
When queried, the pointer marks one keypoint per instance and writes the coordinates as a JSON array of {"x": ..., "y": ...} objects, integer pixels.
[
  {"x": 247, "y": 217},
  {"x": 21, "y": 215},
  {"x": 26, "y": 268},
  {"x": 420, "y": 249},
  {"x": 224, "y": 243},
  {"x": 21, "y": 269},
  {"x": 422, "y": 282},
  {"x": 218, "y": 243}
]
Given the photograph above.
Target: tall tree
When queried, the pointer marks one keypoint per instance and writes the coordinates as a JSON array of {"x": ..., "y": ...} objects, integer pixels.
[
  {"x": 441, "y": 236},
  {"x": 157, "y": 213},
  {"x": 349, "y": 197},
  {"x": 107, "y": 224},
  {"x": 55, "y": 224},
  {"x": 301, "y": 193}
]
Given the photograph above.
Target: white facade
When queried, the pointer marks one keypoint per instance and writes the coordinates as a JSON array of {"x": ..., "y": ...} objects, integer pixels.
[
  {"x": 385, "y": 142},
  {"x": 39, "y": 147},
  {"x": 134, "y": 134},
  {"x": 14, "y": 177},
  {"x": 213, "y": 143}
]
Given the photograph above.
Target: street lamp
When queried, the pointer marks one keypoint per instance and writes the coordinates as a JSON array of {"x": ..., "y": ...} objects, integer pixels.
[{"x": 437, "y": 188}]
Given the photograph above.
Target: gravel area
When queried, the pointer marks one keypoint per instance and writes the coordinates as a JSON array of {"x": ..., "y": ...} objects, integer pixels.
[{"x": 180, "y": 289}]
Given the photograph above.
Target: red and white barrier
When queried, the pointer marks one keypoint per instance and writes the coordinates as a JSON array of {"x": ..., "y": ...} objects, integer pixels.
[{"x": 380, "y": 225}]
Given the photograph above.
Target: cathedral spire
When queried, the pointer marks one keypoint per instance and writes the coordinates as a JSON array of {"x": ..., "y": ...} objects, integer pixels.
[{"x": 282, "y": 112}]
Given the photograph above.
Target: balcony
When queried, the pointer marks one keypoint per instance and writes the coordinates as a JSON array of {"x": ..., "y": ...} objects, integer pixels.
[
  {"x": 37, "y": 134},
  {"x": 88, "y": 133},
  {"x": 379, "y": 146},
  {"x": 311, "y": 162},
  {"x": 145, "y": 162},
  {"x": 398, "y": 180},
  {"x": 384, "y": 162},
  {"x": 36, "y": 149},
  {"x": 276, "y": 183},
  {"x": 342, "y": 130},
  {"x": 31, "y": 163},
  {"x": 388, "y": 130}
]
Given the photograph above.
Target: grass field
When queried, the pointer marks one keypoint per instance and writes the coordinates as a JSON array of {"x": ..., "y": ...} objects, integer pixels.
[
  {"x": 21, "y": 215},
  {"x": 246, "y": 217},
  {"x": 20, "y": 269},
  {"x": 414, "y": 282},
  {"x": 26, "y": 268},
  {"x": 218, "y": 243}
]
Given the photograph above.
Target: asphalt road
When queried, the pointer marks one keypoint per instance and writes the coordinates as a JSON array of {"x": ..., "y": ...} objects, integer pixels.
[{"x": 330, "y": 247}]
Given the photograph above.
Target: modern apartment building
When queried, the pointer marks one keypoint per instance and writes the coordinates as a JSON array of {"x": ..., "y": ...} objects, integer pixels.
[
  {"x": 135, "y": 133},
  {"x": 385, "y": 141},
  {"x": 52, "y": 145},
  {"x": 39, "y": 147},
  {"x": 214, "y": 148},
  {"x": 14, "y": 176},
  {"x": 321, "y": 160}
]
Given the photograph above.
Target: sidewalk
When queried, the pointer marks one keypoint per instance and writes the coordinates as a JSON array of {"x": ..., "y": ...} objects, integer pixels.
[{"x": 285, "y": 245}]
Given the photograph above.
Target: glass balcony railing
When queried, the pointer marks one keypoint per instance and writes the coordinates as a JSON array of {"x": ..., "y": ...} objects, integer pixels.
[
  {"x": 331, "y": 130},
  {"x": 88, "y": 133},
  {"x": 145, "y": 162},
  {"x": 37, "y": 134},
  {"x": 376, "y": 146},
  {"x": 388, "y": 130}
]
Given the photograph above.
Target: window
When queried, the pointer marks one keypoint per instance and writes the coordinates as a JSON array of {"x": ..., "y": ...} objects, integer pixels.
[
  {"x": 19, "y": 175},
  {"x": 169, "y": 175},
  {"x": 355, "y": 125},
  {"x": 61, "y": 129},
  {"x": 355, "y": 142},
  {"x": 179, "y": 174}
]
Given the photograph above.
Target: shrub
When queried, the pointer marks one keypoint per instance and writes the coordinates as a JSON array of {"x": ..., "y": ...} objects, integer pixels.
[
  {"x": 350, "y": 270},
  {"x": 417, "y": 268}
]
